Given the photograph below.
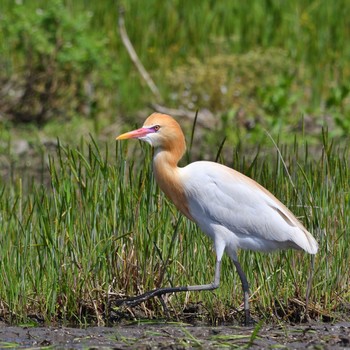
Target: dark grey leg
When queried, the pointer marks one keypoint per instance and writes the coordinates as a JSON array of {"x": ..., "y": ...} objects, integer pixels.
[
  {"x": 133, "y": 301},
  {"x": 245, "y": 286}
]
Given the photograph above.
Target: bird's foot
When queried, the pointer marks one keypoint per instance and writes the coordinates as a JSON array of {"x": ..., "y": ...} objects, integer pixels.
[
  {"x": 249, "y": 322},
  {"x": 136, "y": 300},
  {"x": 159, "y": 292}
]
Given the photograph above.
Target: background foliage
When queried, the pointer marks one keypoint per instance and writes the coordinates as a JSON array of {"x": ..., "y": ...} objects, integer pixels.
[{"x": 64, "y": 59}]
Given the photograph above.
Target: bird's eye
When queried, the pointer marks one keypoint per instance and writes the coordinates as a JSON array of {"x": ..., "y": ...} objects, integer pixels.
[{"x": 156, "y": 128}]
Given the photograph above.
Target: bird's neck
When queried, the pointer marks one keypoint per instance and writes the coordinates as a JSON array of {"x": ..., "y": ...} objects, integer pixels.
[
  {"x": 165, "y": 158},
  {"x": 168, "y": 177}
]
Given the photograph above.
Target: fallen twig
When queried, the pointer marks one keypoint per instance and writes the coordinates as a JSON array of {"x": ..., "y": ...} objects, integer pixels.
[{"x": 133, "y": 55}]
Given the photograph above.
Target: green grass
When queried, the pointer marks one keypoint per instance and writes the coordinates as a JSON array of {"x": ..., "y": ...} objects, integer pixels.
[{"x": 103, "y": 226}]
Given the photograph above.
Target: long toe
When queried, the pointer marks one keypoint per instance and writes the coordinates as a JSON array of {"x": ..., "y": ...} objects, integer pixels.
[{"x": 165, "y": 308}]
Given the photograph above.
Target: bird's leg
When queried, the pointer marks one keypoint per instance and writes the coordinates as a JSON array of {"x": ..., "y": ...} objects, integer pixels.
[
  {"x": 212, "y": 285},
  {"x": 245, "y": 286},
  {"x": 133, "y": 301}
]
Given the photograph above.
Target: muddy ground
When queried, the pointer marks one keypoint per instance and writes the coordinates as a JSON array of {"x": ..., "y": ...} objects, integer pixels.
[{"x": 177, "y": 336}]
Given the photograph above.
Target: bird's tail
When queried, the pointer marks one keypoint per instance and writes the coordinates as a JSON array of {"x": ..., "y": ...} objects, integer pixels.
[{"x": 309, "y": 244}]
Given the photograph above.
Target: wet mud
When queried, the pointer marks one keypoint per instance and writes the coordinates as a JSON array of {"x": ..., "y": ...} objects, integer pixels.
[{"x": 179, "y": 336}]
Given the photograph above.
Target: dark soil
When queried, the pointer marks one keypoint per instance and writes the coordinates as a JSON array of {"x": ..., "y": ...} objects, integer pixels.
[{"x": 177, "y": 336}]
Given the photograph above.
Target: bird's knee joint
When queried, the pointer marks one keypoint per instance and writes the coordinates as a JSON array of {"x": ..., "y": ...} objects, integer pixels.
[{"x": 214, "y": 285}]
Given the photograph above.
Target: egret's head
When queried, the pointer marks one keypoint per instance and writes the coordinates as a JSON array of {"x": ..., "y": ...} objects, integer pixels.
[{"x": 160, "y": 131}]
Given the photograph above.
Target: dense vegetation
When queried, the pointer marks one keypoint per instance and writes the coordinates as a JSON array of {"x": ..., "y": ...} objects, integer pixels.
[{"x": 83, "y": 224}]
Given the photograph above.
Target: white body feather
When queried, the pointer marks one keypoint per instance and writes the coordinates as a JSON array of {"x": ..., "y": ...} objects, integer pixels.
[{"x": 236, "y": 212}]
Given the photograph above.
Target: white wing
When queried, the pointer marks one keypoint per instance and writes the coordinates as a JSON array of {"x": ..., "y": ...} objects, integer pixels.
[{"x": 219, "y": 196}]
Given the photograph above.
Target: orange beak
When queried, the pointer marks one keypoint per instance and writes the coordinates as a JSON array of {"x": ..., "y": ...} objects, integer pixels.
[{"x": 135, "y": 134}]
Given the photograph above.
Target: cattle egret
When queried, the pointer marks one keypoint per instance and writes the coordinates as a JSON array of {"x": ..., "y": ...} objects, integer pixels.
[{"x": 232, "y": 209}]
